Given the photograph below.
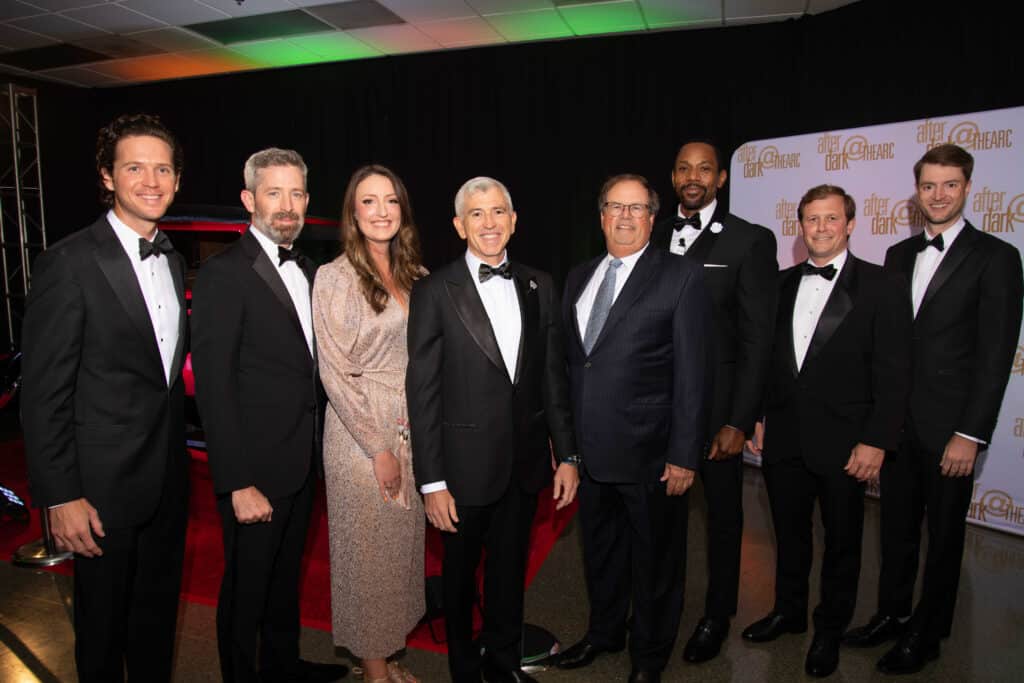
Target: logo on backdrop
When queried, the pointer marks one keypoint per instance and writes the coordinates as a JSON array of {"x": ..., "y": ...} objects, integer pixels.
[
  {"x": 889, "y": 216},
  {"x": 839, "y": 151},
  {"x": 998, "y": 213},
  {"x": 1018, "y": 361},
  {"x": 756, "y": 161},
  {"x": 1018, "y": 428},
  {"x": 995, "y": 506},
  {"x": 785, "y": 213},
  {"x": 967, "y": 134}
]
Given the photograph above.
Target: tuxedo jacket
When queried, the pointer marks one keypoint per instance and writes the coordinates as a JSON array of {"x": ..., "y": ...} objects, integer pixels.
[
  {"x": 639, "y": 397},
  {"x": 472, "y": 426},
  {"x": 256, "y": 380},
  {"x": 853, "y": 385},
  {"x": 99, "y": 418},
  {"x": 965, "y": 335},
  {"x": 740, "y": 272}
]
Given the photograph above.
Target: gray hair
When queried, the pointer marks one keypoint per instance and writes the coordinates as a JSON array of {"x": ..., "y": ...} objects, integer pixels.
[
  {"x": 479, "y": 184},
  {"x": 272, "y": 156}
]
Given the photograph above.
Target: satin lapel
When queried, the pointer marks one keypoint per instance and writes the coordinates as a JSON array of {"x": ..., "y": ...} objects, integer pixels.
[
  {"x": 702, "y": 248},
  {"x": 787, "y": 301},
  {"x": 177, "y": 265},
  {"x": 585, "y": 278},
  {"x": 117, "y": 268},
  {"x": 958, "y": 251},
  {"x": 529, "y": 312},
  {"x": 472, "y": 313},
  {"x": 839, "y": 304},
  {"x": 635, "y": 286},
  {"x": 268, "y": 273}
]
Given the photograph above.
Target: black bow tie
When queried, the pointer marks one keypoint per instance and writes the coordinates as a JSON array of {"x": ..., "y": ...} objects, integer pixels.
[
  {"x": 693, "y": 221},
  {"x": 161, "y": 244},
  {"x": 935, "y": 242},
  {"x": 285, "y": 255},
  {"x": 487, "y": 272},
  {"x": 828, "y": 272}
]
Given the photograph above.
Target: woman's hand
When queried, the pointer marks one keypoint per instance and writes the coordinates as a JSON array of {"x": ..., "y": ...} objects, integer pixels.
[{"x": 388, "y": 474}]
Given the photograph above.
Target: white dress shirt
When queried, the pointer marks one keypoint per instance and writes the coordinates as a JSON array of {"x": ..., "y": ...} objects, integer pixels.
[
  {"x": 689, "y": 234},
  {"x": 811, "y": 296},
  {"x": 928, "y": 260},
  {"x": 157, "y": 285},
  {"x": 586, "y": 301},
  {"x": 501, "y": 302},
  {"x": 295, "y": 282}
]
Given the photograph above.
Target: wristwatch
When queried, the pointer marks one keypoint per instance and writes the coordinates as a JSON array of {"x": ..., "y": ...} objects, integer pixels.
[{"x": 573, "y": 460}]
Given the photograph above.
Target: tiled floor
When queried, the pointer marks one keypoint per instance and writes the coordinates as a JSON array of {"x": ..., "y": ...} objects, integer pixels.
[{"x": 987, "y": 643}]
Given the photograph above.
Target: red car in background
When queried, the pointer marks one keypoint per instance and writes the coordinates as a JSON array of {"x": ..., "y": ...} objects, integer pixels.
[{"x": 200, "y": 232}]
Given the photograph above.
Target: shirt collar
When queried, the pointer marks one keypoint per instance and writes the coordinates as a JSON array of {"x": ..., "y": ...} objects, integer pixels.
[
  {"x": 627, "y": 261},
  {"x": 267, "y": 244},
  {"x": 839, "y": 260},
  {"x": 473, "y": 263},
  {"x": 128, "y": 238},
  {"x": 949, "y": 234},
  {"x": 705, "y": 214}
]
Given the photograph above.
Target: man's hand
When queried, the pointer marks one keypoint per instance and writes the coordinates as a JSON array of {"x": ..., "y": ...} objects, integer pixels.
[
  {"x": 755, "y": 444},
  {"x": 567, "y": 480},
  {"x": 73, "y": 525},
  {"x": 865, "y": 462},
  {"x": 679, "y": 479},
  {"x": 388, "y": 474},
  {"x": 440, "y": 507},
  {"x": 958, "y": 458},
  {"x": 251, "y": 506},
  {"x": 728, "y": 443}
]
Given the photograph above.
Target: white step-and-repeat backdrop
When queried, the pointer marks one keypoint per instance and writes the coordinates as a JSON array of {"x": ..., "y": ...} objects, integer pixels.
[{"x": 875, "y": 165}]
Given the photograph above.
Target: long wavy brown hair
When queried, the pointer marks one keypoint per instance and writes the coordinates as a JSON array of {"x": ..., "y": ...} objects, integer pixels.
[{"x": 406, "y": 266}]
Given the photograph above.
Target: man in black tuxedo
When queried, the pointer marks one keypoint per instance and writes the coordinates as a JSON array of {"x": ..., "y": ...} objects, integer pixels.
[
  {"x": 103, "y": 412},
  {"x": 486, "y": 389},
  {"x": 740, "y": 270},
  {"x": 966, "y": 288},
  {"x": 637, "y": 323},
  {"x": 835, "y": 401},
  {"x": 259, "y": 399}
]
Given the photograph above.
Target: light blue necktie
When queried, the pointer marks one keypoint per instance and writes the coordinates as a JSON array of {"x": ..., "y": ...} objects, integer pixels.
[{"x": 602, "y": 305}]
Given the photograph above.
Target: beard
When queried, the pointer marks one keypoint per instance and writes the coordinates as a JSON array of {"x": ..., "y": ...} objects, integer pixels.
[
  {"x": 693, "y": 204},
  {"x": 277, "y": 232}
]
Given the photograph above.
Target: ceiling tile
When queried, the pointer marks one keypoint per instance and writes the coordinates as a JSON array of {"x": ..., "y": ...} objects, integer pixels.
[
  {"x": 77, "y": 75},
  {"x": 163, "y": 67},
  {"x": 604, "y": 17},
  {"x": 660, "y": 13},
  {"x": 394, "y": 40},
  {"x": 176, "y": 13},
  {"x": 50, "y": 57},
  {"x": 738, "y": 9},
  {"x": 118, "y": 47},
  {"x": 416, "y": 11},
  {"x": 58, "y": 27},
  {"x": 14, "y": 9},
  {"x": 508, "y": 6},
  {"x": 356, "y": 14},
  {"x": 276, "y": 53},
  {"x": 335, "y": 46},
  {"x": 14, "y": 38},
  {"x": 114, "y": 18},
  {"x": 462, "y": 32},
  {"x": 173, "y": 39},
  {"x": 260, "y": 27},
  {"x": 523, "y": 26},
  {"x": 250, "y": 7},
  {"x": 767, "y": 19},
  {"x": 819, "y": 6},
  {"x": 60, "y": 5}
]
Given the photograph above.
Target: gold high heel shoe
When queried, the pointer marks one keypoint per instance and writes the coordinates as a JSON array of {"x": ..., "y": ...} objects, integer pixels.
[{"x": 399, "y": 674}]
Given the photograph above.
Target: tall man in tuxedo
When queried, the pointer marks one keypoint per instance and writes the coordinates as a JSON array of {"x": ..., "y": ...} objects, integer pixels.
[
  {"x": 487, "y": 389},
  {"x": 102, "y": 409},
  {"x": 740, "y": 270},
  {"x": 637, "y": 322},
  {"x": 835, "y": 401},
  {"x": 259, "y": 399},
  {"x": 966, "y": 288}
]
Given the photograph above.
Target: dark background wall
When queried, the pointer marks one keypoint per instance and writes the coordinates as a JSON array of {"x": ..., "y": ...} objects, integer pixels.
[{"x": 552, "y": 120}]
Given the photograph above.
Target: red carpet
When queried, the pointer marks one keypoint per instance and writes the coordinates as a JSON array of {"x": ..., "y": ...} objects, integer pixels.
[{"x": 204, "y": 561}]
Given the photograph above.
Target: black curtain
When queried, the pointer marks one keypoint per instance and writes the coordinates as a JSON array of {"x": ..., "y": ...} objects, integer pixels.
[{"x": 552, "y": 120}]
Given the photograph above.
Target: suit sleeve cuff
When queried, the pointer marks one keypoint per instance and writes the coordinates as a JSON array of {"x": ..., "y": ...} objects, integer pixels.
[
  {"x": 972, "y": 438},
  {"x": 433, "y": 487}
]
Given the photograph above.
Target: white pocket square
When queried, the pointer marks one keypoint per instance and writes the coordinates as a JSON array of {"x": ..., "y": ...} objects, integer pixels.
[{"x": 716, "y": 265}]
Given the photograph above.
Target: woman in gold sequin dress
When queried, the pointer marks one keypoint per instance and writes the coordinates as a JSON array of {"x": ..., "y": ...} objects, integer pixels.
[{"x": 375, "y": 515}]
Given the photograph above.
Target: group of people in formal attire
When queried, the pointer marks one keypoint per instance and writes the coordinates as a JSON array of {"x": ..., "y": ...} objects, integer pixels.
[{"x": 457, "y": 397}]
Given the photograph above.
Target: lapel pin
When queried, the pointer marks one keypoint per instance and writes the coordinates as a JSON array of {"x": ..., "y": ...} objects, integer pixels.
[
  {"x": 716, "y": 227},
  {"x": 533, "y": 284}
]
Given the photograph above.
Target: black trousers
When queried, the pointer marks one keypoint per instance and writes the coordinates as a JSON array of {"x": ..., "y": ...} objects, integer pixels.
[
  {"x": 126, "y": 601},
  {"x": 792, "y": 491},
  {"x": 723, "y": 491},
  {"x": 912, "y": 483},
  {"x": 258, "y": 609},
  {"x": 634, "y": 550},
  {"x": 503, "y": 530}
]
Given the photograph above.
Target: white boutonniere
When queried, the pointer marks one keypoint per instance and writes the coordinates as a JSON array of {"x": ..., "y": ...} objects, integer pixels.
[
  {"x": 716, "y": 227},
  {"x": 533, "y": 284}
]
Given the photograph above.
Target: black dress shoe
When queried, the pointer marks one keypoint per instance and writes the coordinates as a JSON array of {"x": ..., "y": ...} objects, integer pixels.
[
  {"x": 644, "y": 676},
  {"x": 823, "y": 657},
  {"x": 706, "y": 641},
  {"x": 909, "y": 655},
  {"x": 580, "y": 655},
  {"x": 773, "y": 626},
  {"x": 877, "y": 631}
]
